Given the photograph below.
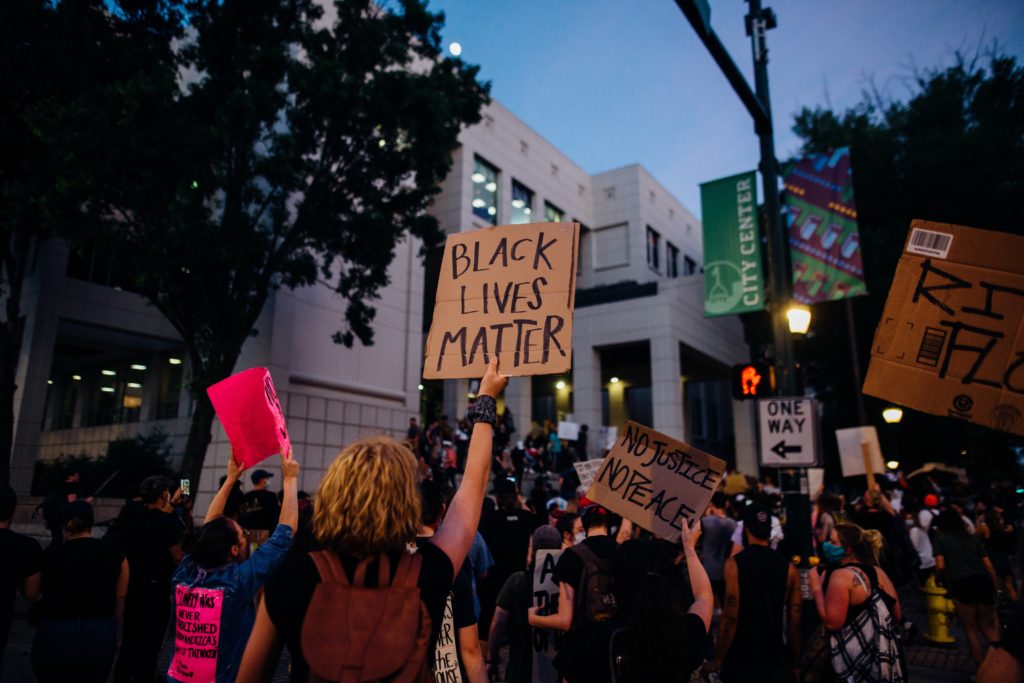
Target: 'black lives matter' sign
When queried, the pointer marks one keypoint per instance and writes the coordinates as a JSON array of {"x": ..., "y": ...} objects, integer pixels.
[
  {"x": 656, "y": 482},
  {"x": 505, "y": 291},
  {"x": 951, "y": 338}
]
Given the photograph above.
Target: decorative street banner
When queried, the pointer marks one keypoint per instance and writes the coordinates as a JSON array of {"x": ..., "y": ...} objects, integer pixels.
[
  {"x": 196, "y": 633},
  {"x": 508, "y": 291},
  {"x": 251, "y": 414},
  {"x": 545, "y": 599},
  {"x": 733, "y": 279},
  {"x": 656, "y": 482},
  {"x": 822, "y": 220},
  {"x": 951, "y": 338}
]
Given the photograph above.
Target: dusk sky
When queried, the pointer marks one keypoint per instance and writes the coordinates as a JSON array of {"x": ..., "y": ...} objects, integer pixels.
[{"x": 614, "y": 82}]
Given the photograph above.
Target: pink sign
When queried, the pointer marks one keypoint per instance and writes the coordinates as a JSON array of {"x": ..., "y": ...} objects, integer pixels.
[
  {"x": 196, "y": 634},
  {"x": 247, "y": 406}
]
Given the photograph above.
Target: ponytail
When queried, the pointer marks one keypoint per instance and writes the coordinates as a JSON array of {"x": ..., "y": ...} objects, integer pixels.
[{"x": 865, "y": 544}]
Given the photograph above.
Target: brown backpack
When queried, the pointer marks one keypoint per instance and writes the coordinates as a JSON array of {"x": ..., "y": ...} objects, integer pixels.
[{"x": 354, "y": 634}]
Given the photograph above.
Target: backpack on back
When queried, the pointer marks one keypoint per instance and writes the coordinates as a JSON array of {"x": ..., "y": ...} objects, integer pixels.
[
  {"x": 594, "y": 600},
  {"x": 355, "y": 634}
]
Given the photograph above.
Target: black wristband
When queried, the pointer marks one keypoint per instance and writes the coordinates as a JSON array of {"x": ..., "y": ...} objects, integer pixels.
[{"x": 484, "y": 409}]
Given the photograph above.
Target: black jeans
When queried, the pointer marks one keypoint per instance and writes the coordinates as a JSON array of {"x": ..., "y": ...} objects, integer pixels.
[
  {"x": 74, "y": 650},
  {"x": 146, "y": 610}
]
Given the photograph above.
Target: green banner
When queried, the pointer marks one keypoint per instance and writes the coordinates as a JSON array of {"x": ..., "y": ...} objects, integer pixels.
[{"x": 733, "y": 279}]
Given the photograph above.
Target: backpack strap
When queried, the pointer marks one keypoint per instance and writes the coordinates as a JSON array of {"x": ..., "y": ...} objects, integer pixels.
[
  {"x": 328, "y": 564},
  {"x": 585, "y": 553},
  {"x": 407, "y": 573}
]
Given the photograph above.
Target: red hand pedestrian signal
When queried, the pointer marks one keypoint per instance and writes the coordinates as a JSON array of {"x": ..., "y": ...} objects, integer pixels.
[{"x": 752, "y": 380}]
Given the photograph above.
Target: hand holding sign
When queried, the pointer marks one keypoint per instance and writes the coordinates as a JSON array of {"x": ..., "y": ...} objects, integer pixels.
[
  {"x": 235, "y": 468},
  {"x": 493, "y": 382}
]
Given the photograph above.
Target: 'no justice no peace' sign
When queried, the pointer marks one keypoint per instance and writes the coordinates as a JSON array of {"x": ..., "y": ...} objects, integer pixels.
[{"x": 507, "y": 291}]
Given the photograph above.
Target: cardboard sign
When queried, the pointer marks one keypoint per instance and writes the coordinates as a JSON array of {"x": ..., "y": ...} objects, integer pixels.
[
  {"x": 251, "y": 413},
  {"x": 851, "y": 457},
  {"x": 656, "y": 482},
  {"x": 587, "y": 470},
  {"x": 445, "y": 664},
  {"x": 606, "y": 437},
  {"x": 568, "y": 431},
  {"x": 951, "y": 339},
  {"x": 508, "y": 291},
  {"x": 196, "y": 633},
  {"x": 545, "y": 599}
]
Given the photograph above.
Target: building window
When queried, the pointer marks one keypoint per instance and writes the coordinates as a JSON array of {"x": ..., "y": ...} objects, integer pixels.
[
  {"x": 552, "y": 214},
  {"x": 522, "y": 203},
  {"x": 485, "y": 191},
  {"x": 689, "y": 266},
  {"x": 653, "y": 247},
  {"x": 671, "y": 260}
]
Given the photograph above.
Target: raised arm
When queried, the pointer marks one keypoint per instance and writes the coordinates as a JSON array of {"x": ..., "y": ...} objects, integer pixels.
[
  {"x": 290, "y": 505},
  {"x": 456, "y": 534},
  {"x": 730, "y": 612},
  {"x": 220, "y": 500},
  {"x": 703, "y": 597}
]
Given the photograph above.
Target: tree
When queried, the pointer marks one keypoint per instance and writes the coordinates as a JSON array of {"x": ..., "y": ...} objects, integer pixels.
[
  {"x": 48, "y": 64},
  {"x": 953, "y": 152},
  {"x": 259, "y": 144}
]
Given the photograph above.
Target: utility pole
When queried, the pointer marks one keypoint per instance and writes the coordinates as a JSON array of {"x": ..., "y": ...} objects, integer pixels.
[{"x": 758, "y": 102}]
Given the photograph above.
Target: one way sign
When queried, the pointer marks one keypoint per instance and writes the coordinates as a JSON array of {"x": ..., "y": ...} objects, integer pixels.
[{"x": 788, "y": 431}]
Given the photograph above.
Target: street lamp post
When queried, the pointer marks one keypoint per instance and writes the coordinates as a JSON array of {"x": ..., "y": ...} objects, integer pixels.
[{"x": 758, "y": 102}]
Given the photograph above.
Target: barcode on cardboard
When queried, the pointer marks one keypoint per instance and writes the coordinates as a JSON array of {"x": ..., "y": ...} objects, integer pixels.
[{"x": 929, "y": 243}]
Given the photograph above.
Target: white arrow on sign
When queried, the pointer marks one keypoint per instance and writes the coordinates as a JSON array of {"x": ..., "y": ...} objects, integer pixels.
[{"x": 788, "y": 428}]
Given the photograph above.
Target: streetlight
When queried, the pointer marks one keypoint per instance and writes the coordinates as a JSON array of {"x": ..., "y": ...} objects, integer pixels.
[
  {"x": 893, "y": 464},
  {"x": 799, "y": 317},
  {"x": 892, "y": 415}
]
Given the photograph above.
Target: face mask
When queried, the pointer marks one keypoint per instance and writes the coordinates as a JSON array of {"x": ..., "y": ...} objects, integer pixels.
[
  {"x": 833, "y": 553},
  {"x": 579, "y": 537},
  {"x": 909, "y": 523}
]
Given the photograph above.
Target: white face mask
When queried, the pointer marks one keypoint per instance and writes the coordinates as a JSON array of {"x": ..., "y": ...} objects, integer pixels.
[{"x": 579, "y": 537}]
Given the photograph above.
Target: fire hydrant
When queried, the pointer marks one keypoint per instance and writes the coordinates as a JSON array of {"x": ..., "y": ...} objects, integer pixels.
[{"x": 940, "y": 611}]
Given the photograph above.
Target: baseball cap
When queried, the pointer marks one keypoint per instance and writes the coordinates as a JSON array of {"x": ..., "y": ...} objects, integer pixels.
[
  {"x": 757, "y": 519},
  {"x": 546, "y": 537},
  {"x": 259, "y": 475},
  {"x": 78, "y": 509},
  {"x": 931, "y": 500},
  {"x": 504, "y": 485}
]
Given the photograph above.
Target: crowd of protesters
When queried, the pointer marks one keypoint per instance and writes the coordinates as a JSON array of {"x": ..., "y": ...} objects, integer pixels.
[{"x": 415, "y": 561}]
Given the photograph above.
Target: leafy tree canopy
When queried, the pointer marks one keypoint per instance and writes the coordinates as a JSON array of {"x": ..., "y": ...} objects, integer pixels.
[
  {"x": 248, "y": 145},
  {"x": 953, "y": 152}
]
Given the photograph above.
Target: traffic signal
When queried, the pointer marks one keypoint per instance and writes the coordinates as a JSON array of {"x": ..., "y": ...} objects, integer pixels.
[{"x": 752, "y": 380}]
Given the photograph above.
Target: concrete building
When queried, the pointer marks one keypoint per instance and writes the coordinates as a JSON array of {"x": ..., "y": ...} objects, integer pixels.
[
  {"x": 642, "y": 348},
  {"x": 98, "y": 364}
]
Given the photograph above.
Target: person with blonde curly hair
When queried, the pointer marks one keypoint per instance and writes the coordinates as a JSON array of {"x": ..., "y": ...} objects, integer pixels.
[{"x": 367, "y": 511}]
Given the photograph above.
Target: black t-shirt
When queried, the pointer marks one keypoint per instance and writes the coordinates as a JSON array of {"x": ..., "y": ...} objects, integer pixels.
[
  {"x": 147, "y": 546},
  {"x": 584, "y": 658},
  {"x": 80, "y": 579},
  {"x": 570, "y": 565},
  {"x": 291, "y": 588},
  {"x": 260, "y": 510},
  {"x": 22, "y": 557},
  {"x": 507, "y": 533},
  {"x": 516, "y": 597}
]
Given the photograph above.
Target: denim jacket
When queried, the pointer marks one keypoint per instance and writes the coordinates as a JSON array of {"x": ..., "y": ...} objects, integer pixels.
[{"x": 240, "y": 582}]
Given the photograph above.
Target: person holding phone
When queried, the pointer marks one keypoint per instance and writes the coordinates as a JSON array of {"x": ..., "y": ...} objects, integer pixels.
[{"x": 219, "y": 570}]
